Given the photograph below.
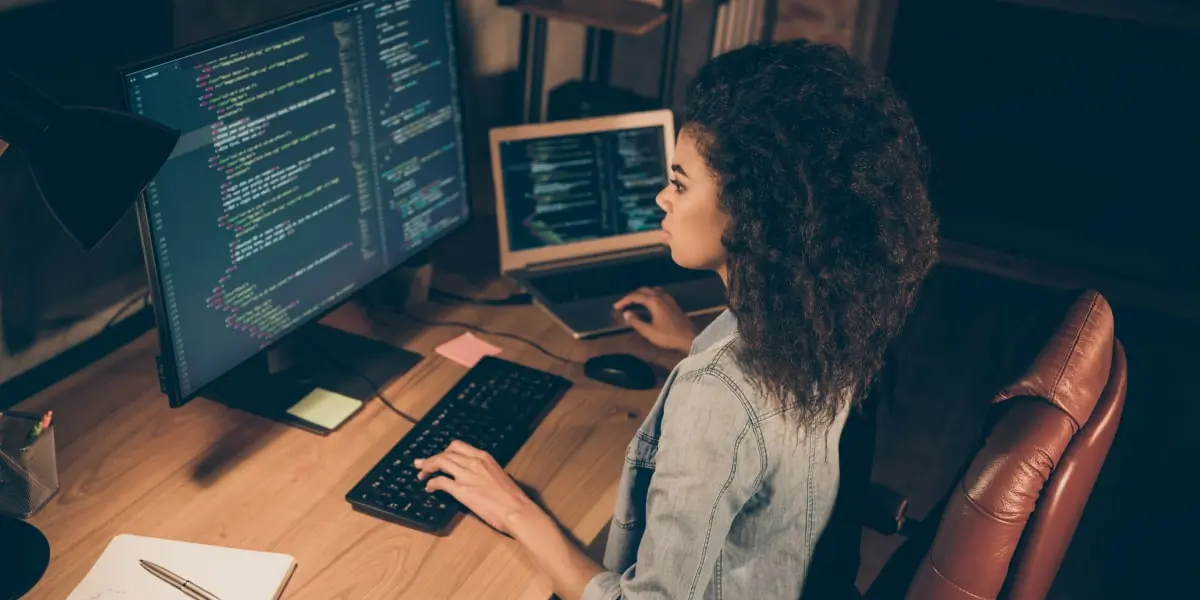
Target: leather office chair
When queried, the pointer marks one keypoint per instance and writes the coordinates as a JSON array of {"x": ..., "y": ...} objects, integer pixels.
[{"x": 1004, "y": 529}]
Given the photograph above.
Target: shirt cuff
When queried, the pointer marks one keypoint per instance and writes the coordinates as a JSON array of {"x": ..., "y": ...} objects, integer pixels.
[{"x": 606, "y": 585}]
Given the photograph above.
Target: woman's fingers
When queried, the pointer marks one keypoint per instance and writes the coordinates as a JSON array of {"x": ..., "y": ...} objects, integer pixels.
[
  {"x": 444, "y": 484},
  {"x": 450, "y": 464},
  {"x": 465, "y": 449},
  {"x": 643, "y": 296},
  {"x": 458, "y": 459}
]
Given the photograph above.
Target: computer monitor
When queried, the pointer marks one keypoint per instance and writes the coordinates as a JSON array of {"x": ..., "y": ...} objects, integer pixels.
[{"x": 318, "y": 154}]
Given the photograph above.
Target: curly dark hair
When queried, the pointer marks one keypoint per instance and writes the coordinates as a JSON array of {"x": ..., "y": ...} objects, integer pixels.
[{"x": 823, "y": 175}]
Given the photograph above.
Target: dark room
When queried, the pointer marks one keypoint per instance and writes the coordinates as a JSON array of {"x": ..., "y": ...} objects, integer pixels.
[{"x": 598, "y": 299}]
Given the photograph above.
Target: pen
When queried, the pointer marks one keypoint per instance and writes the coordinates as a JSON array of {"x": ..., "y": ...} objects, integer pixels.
[{"x": 178, "y": 582}]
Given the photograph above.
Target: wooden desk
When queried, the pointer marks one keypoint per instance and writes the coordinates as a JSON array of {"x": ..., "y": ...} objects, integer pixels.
[{"x": 205, "y": 473}]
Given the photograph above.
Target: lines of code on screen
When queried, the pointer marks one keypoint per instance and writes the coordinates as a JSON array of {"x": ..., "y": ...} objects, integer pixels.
[
  {"x": 573, "y": 188},
  {"x": 315, "y": 157}
]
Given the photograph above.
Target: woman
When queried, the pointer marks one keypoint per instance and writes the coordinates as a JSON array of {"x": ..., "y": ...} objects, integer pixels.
[{"x": 798, "y": 177}]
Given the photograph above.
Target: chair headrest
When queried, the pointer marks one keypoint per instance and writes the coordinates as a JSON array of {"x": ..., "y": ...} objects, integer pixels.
[{"x": 1072, "y": 369}]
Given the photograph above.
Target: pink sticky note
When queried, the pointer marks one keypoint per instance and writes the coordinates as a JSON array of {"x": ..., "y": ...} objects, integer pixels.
[{"x": 466, "y": 350}]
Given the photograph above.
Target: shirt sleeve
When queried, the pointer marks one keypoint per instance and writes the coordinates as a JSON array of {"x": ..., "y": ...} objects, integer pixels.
[{"x": 709, "y": 464}]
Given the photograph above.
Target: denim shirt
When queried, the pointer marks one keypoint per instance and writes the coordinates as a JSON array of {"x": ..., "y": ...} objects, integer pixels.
[{"x": 722, "y": 495}]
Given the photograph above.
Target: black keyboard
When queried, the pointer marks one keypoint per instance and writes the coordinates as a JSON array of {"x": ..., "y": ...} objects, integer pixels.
[
  {"x": 613, "y": 280},
  {"x": 494, "y": 407}
]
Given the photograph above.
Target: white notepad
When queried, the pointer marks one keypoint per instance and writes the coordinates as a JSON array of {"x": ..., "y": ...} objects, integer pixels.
[{"x": 227, "y": 573}]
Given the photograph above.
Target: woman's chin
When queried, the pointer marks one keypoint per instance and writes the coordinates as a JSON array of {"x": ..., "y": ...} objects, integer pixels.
[
  {"x": 671, "y": 251},
  {"x": 690, "y": 262},
  {"x": 681, "y": 259}
]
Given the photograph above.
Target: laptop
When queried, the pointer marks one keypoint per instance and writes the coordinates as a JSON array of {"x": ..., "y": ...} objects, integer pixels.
[{"x": 578, "y": 221}]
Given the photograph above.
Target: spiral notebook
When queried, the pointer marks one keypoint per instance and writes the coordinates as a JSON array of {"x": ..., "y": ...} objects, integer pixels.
[{"x": 227, "y": 573}]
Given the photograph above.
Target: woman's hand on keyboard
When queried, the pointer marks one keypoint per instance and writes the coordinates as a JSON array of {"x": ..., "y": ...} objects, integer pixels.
[
  {"x": 668, "y": 326},
  {"x": 476, "y": 480}
]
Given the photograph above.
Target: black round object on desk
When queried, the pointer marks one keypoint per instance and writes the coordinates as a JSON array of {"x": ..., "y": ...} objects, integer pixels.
[
  {"x": 622, "y": 370},
  {"x": 24, "y": 554}
]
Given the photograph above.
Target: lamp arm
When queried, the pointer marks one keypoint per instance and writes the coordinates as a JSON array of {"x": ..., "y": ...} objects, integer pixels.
[
  {"x": 3, "y": 147},
  {"x": 25, "y": 113}
]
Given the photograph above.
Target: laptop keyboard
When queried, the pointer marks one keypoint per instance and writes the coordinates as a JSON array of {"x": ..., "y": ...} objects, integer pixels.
[{"x": 613, "y": 280}]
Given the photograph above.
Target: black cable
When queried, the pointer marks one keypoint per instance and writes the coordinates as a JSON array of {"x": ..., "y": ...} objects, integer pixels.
[
  {"x": 511, "y": 300},
  {"x": 478, "y": 329},
  {"x": 376, "y": 389},
  {"x": 124, "y": 307}
]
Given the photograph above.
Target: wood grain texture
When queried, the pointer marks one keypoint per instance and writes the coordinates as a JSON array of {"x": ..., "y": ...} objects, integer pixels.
[{"x": 206, "y": 473}]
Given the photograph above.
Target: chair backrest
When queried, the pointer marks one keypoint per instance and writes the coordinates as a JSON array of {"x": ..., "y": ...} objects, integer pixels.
[
  {"x": 1061, "y": 505},
  {"x": 1011, "y": 517}
]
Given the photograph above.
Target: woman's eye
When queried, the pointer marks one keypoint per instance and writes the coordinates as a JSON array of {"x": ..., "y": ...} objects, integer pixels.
[{"x": 678, "y": 186}]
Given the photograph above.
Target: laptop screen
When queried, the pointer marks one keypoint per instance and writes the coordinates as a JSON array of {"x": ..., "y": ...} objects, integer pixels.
[{"x": 573, "y": 188}]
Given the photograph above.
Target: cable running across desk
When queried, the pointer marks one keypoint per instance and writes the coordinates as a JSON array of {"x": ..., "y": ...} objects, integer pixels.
[
  {"x": 511, "y": 300},
  {"x": 376, "y": 389},
  {"x": 478, "y": 329},
  {"x": 117, "y": 316}
]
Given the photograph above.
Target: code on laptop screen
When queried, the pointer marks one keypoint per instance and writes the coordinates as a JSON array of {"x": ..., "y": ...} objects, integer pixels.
[{"x": 574, "y": 188}]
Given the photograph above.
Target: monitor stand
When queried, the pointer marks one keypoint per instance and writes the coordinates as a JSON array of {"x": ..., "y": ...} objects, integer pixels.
[{"x": 315, "y": 356}]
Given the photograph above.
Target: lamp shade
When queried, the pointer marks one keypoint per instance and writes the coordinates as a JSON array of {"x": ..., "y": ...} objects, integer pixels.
[{"x": 90, "y": 164}]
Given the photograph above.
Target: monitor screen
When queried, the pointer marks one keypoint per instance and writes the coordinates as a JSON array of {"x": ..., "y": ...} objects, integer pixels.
[
  {"x": 316, "y": 156},
  {"x": 574, "y": 188}
]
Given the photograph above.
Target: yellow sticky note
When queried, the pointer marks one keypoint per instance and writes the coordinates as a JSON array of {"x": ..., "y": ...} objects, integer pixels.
[{"x": 325, "y": 408}]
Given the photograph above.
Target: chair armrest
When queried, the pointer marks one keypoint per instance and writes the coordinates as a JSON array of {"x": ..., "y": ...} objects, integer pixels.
[{"x": 885, "y": 510}]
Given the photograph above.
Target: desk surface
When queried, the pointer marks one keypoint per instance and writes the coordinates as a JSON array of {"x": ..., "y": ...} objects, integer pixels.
[{"x": 206, "y": 473}]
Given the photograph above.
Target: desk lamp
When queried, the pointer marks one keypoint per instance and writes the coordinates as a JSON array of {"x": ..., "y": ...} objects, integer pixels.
[{"x": 90, "y": 165}]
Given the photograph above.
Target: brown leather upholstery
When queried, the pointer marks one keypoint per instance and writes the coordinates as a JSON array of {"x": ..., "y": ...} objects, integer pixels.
[
  {"x": 1053, "y": 524},
  {"x": 1005, "y": 528}
]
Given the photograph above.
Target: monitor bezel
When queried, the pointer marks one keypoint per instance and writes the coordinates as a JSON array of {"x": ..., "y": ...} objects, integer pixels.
[
  {"x": 168, "y": 370},
  {"x": 514, "y": 260}
]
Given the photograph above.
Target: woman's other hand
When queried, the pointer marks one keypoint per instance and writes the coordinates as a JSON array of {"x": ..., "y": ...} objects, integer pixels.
[
  {"x": 476, "y": 480},
  {"x": 668, "y": 326}
]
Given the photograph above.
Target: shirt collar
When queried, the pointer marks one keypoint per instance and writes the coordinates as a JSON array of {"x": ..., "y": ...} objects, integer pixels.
[{"x": 722, "y": 327}]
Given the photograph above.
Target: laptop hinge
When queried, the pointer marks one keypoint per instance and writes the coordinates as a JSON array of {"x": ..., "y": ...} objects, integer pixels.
[{"x": 616, "y": 255}]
